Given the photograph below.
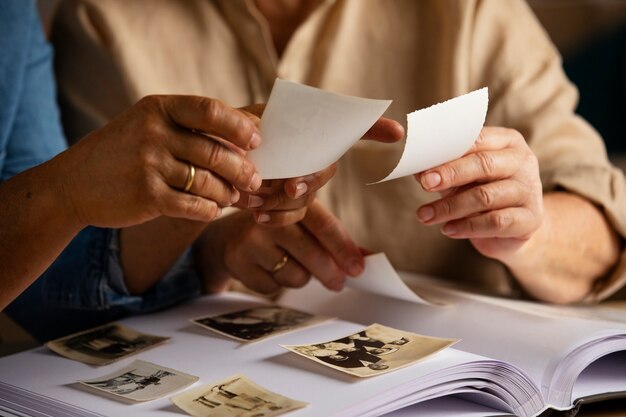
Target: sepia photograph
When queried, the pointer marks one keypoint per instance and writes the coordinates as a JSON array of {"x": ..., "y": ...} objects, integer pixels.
[
  {"x": 141, "y": 381},
  {"x": 236, "y": 396},
  {"x": 254, "y": 324},
  {"x": 373, "y": 351},
  {"x": 104, "y": 344}
]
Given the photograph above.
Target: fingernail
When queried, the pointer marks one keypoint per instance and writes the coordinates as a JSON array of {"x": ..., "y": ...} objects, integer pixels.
[
  {"x": 234, "y": 197},
  {"x": 448, "y": 229},
  {"x": 301, "y": 188},
  {"x": 255, "y": 140},
  {"x": 431, "y": 180},
  {"x": 355, "y": 268},
  {"x": 263, "y": 218},
  {"x": 254, "y": 201},
  {"x": 256, "y": 181},
  {"x": 425, "y": 213}
]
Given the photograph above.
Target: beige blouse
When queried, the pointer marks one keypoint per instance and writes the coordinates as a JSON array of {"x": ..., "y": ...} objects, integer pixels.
[{"x": 110, "y": 53}]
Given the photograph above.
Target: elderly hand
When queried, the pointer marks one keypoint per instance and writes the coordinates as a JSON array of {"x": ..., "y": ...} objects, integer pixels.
[
  {"x": 492, "y": 195},
  {"x": 268, "y": 258},
  {"x": 137, "y": 167},
  {"x": 284, "y": 201}
]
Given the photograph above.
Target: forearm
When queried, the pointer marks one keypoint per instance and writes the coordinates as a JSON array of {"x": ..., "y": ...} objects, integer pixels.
[
  {"x": 574, "y": 246},
  {"x": 149, "y": 250},
  {"x": 35, "y": 225}
]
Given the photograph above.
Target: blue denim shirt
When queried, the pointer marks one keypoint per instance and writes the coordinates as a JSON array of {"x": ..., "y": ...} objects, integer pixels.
[{"x": 85, "y": 285}]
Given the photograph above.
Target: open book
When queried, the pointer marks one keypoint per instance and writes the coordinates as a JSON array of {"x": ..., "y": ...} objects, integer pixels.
[
  {"x": 533, "y": 356},
  {"x": 514, "y": 358}
]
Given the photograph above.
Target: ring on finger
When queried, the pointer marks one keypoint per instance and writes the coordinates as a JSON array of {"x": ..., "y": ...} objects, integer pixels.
[
  {"x": 281, "y": 263},
  {"x": 191, "y": 174}
]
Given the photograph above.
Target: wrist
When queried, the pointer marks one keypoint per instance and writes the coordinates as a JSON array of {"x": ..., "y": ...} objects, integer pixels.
[{"x": 61, "y": 170}]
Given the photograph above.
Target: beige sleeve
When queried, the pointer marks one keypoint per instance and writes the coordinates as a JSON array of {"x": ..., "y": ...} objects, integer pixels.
[
  {"x": 530, "y": 92},
  {"x": 91, "y": 87}
]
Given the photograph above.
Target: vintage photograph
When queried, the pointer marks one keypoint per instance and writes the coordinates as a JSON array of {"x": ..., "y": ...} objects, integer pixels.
[
  {"x": 236, "y": 396},
  {"x": 373, "y": 351},
  {"x": 104, "y": 344},
  {"x": 142, "y": 381},
  {"x": 258, "y": 323}
]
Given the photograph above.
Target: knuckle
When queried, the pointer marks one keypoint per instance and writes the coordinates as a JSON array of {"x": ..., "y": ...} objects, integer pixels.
[
  {"x": 245, "y": 173},
  {"x": 212, "y": 210},
  {"x": 202, "y": 180},
  {"x": 215, "y": 155},
  {"x": 451, "y": 174},
  {"x": 501, "y": 221},
  {"x": 485, "y": 197},
  {"x": 444, "y": 207},
  {"x": 244, "y": 127},
  {"x": 486, "y": 162},
  {"x": 213, "y": 109},
  {"x": 482, "y": 137}
]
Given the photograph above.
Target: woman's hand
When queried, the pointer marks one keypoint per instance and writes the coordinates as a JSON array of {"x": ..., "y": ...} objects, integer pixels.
[
  {"x": 492, "y": 195},
  {"x": 266, "y": 259},
  {"x": 135, "y": 168}
]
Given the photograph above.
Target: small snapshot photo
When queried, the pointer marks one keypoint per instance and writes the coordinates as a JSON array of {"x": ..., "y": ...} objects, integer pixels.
[
  {"x": 236, "y": 396},
  {"x": 104, "y": 344},
  {"x": 254, "y": 324},
  {"x": 373, "y": 351},
  {"x": 141, "y": 381}
]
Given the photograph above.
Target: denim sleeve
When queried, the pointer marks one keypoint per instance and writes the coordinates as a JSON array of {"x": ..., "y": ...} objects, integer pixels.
[
  {"x": 85, "y": 287},
  {"x": 30, "y": 129}
]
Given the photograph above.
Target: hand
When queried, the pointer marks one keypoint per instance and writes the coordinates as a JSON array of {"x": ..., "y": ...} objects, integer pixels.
[
  {"x": 318, "y": 245},
  {"x": 134, "y": 169},
  {"x": 284, "y": 201},
  {"x": 492, "y": 195}
]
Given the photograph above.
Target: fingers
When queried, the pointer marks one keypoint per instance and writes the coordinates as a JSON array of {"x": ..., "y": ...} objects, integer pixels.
[
  {"x": 474, "y": 200},
  {"x": 174, "y": 203},
  {"x": 334, "y": 238},
  {"x": 514, "y": 222},
  {"x": 279, "y": 218},
  {"x": 497, "y": 153},
  {"x": 256, "y": 278},
  {"x": 213, "y": 117},
  {"x": 292, "y": 275},
  {"x": 254, "y": 258},
  {"x": 274, "y": 198},
  {"x": 209, "y": 154},
  {"x": 308, "y": 252},
  {"x": 478, "y": 166},
  {"x": 295, "y": 188},
  {"x": 385, "y": 130},
  {"x": 204, "y": 183},
  {"x": 492, "y": 195}
]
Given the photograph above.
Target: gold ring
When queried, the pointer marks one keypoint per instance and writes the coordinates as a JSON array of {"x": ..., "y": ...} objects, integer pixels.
[
  {"x": 280, "y": 264},
  {"x": 190, "y": 176}
]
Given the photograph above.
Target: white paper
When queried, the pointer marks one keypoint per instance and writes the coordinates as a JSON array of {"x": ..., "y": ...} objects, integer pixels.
[
  {"x": 441, "y": 133},
  {"x": 305, "y": 129},
  {"x": 380, "y": 278}
]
